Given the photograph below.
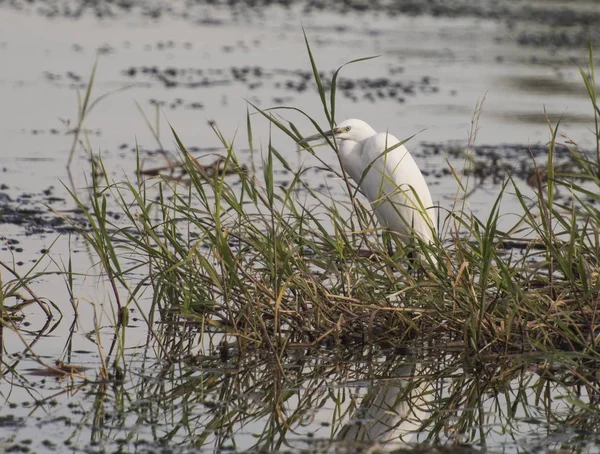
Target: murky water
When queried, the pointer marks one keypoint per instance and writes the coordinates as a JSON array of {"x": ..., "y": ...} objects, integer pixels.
[{"x": 188, "y": 66}]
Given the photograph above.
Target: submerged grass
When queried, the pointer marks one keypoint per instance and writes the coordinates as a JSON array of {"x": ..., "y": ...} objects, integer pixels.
[
  {"x": 232, "y": 260},
  {"x": 276, "y": 266}
]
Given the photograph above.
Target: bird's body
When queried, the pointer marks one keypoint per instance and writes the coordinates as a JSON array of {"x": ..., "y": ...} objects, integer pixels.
[{"x": 389, "y": 177}]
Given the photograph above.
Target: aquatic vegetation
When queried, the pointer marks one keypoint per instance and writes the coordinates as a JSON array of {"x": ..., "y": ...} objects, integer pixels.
[
  {"x": 259, "y": 297},
  {"x": 280, "y": 264}
]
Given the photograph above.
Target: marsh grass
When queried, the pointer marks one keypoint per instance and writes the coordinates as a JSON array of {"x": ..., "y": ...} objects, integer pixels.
[
  {"x": 277, "y": 266},
  {"x": 205, "y": 401},
  {"x": 228, "y": 261}
]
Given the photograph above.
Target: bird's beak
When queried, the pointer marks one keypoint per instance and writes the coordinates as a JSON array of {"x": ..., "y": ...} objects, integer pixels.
[{"x": 307, "y": 140}]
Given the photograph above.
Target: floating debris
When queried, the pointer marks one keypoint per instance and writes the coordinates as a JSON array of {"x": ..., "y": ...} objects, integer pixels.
[
  {"x": 178, "y": 171},
  {"x": 60, "y": 370}
]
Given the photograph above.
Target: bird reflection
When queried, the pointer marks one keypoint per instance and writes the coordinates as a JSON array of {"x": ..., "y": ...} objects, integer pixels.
[{"x": 393, "y": 410}]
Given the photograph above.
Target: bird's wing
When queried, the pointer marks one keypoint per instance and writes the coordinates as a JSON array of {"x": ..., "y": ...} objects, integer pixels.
[{"x": 395, "y": 185}]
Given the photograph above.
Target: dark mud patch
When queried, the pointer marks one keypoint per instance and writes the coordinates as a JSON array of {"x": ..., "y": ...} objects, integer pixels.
[
  {"x": 388, "y": 87},
  {"x": 177, "y": 103},
  {"x": 558, "y": 39},
  {"x": 9, "y": 421},
  {"x": 527, "y": 163},
  {"x": 539, "y": 12},
  {"x": 540, "y": 118},
  {"x": 576, "y": 21},
  {"x": 33, "y": 213},
  {"x": 547, "y": 85}
]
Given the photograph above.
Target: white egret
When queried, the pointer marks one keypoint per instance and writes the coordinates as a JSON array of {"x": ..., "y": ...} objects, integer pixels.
[{"x": 388, "y": 176}]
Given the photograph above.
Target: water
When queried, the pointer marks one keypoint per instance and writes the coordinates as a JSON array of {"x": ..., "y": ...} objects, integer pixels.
[
  {"x": 201, "y": 63},
  {"x": 341, "y": 401},
  {"x": 207, "y": 66}
]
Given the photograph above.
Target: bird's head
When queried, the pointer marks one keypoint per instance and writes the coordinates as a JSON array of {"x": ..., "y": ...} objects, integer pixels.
[{"x": 354, "y": 130}]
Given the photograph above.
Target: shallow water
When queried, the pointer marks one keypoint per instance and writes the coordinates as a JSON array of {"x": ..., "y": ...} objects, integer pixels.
[
  {"x": 202, "y": 63},
  {"x": 206, "y": 66},
  {"x": 335, "y": 401}
]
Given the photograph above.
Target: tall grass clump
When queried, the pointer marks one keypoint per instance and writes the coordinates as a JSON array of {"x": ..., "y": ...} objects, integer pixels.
[{"x": 234, "y": 252}]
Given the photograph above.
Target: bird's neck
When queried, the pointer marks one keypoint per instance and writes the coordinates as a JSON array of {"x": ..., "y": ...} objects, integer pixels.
[{"x": 350, "y": 155}]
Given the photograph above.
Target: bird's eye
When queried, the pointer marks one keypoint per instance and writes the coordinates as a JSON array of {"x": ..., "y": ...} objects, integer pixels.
[{"x": 347, "y": 128}]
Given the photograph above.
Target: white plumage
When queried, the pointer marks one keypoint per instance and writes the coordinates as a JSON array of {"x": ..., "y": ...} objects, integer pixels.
[{"x": 393, "y": 182}]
